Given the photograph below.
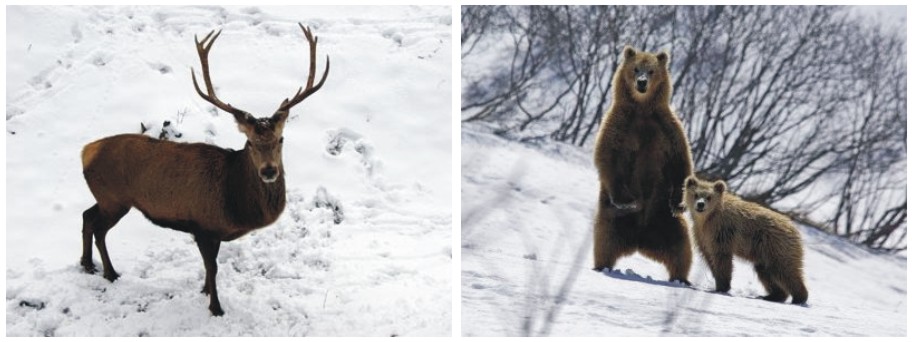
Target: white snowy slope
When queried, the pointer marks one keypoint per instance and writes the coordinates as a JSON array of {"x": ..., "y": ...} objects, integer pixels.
[
  {"x": 374, "y": 141},
  {"x": 527, "y": 245}
]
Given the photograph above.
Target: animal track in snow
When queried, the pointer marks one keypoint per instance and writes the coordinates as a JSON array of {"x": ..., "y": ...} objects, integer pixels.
[
  {"x": 101, "y": 59},
  {"x": 324, "y": 200},
  {"x": 338, "y": 138},
  {"x": 161, "y": 68}
]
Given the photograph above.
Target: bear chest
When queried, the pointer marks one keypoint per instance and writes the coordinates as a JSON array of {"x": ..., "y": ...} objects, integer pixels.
[{"x": 645, "y": 137}]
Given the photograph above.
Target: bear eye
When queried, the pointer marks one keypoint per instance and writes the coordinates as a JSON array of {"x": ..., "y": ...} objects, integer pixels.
[
  {"x": 636, "y": 70},
  {"x": 650, "y": 72}
]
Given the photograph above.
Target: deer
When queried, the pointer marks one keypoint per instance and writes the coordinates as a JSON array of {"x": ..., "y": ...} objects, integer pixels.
[{"x": 212, "y": 193}]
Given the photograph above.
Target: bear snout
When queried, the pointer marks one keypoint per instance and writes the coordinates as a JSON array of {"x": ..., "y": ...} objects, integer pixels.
[
  {"x": 699, "y": 206},
  {"x": 642, "y": 86}
]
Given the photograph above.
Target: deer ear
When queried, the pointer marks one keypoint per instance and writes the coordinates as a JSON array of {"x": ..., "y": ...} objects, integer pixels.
[
  {"x": 719, "y": 187},
  {"x": 245, "y": 128},
  {"x": 246, "y": 124},
  {"x": 278, "y": 119}
]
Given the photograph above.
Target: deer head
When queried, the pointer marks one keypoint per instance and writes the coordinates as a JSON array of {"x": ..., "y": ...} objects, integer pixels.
[{"x": 264, "y": 135}]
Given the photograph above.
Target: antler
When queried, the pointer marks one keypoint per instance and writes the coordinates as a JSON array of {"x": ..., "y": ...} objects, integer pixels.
[
  {"x": 203, "y": 48},
  {"x": 309, "y": 89}
]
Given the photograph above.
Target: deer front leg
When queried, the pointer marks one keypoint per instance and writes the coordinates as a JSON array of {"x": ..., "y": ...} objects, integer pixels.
[{"x": 209, "y": 249}]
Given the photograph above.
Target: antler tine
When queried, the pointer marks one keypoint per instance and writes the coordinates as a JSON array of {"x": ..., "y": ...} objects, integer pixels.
[
  {"x": 203, "y": 48},
  {"x": 309, "y": 87},
  {"x": 312, "y": 43}
]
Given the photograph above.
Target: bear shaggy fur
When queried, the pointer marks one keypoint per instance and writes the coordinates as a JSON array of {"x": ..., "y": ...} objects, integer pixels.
[
  {"x": 725, "y": 225},
  {"x": 643, "y": 158}
]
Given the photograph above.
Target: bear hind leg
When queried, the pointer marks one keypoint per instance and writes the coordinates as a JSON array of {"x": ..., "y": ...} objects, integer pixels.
[
  {"x": 607, "y": 247},
  {"x": 673, "y": 251},
  {"x": 796, "y": 287},
  {"x": 775, "y": 292},
  {"x": 677, "y": 261}
]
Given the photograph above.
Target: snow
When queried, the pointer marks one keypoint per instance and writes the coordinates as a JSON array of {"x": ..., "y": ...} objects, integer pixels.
[
  {"x": 527, "y": 259},
  {"x": 364, "y": 245}
]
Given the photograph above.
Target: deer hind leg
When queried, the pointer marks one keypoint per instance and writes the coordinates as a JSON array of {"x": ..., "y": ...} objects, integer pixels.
[
  {"x": 209, "y": 249},
  {"x": 88, "y": 221},
  {"x": 96, "y": 222}
]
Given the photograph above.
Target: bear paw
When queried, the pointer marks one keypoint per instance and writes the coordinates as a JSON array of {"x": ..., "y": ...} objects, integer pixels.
[
  {"x": 632, "y": 206},
  {"x": 678, "y": 209}
]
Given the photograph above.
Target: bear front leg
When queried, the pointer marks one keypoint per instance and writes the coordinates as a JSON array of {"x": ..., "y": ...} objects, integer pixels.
[
  {"x": 615, "y": 174},
  {"x": 676, "y": 202},
  {"x": 721, "y": 268},
  {"x": 622, "y": 198},
  {"x": 678, "y": 169}
]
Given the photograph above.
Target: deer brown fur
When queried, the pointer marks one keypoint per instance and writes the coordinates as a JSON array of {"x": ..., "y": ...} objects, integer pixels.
[{"x": 215, "y": 194}]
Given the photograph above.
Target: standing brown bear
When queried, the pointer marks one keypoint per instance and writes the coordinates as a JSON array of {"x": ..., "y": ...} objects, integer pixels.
[
  {"x": 643, "y": 158},
  {"x": 725, "y": 225}
]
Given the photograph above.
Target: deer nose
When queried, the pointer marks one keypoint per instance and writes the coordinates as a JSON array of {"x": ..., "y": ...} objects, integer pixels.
[{"x": 269, "y": 173}]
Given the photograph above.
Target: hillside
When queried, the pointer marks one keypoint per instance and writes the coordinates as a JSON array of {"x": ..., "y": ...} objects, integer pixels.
[{"x": 527, "y": 259}]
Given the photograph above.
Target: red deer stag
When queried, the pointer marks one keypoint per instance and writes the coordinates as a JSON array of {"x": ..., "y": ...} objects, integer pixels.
[{"x": 213, "y": 193}]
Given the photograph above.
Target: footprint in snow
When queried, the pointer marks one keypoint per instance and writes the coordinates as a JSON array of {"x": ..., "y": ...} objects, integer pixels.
[
  {"x": 324, "y": 200},
  {"x": 337, "y": 140},
  {"x": 161, "y": 68},
  {"x": 395, "y": 36},
  {"x": 101, "y": 59}
]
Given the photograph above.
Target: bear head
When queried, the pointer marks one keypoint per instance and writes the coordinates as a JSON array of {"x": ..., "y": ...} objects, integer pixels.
[
  {"x": 702, "y": 197},
  {"x": 644, "y": 76}
]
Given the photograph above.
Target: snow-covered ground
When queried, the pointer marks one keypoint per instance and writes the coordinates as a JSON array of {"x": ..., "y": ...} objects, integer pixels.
[
  {"x": 527, "y": 259},
  {"x": 376, "y": 140}
]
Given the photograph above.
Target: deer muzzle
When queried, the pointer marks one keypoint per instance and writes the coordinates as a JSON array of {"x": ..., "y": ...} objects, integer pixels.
[{"x": 269, "y": 174}]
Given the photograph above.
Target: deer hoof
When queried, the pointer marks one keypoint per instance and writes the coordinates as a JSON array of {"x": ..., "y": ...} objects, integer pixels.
[
  {"x": 89, "y": 267},
  {"x": 111, "y": 276}
]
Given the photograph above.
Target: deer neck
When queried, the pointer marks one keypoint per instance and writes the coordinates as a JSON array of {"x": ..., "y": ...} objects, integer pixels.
[{"x": 252, "y": 202}]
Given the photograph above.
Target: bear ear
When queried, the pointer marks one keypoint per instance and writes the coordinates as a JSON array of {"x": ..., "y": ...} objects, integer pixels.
[
  {"x": 690, "y": 182},
  {"x": 662, "y": 57},
  {"x": 629, "y": 52},
  {"x": 719, "y": 187}
]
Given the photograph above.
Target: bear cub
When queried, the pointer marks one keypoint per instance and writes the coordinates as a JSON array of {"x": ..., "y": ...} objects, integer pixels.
[{"x": 725, "y": 225}]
